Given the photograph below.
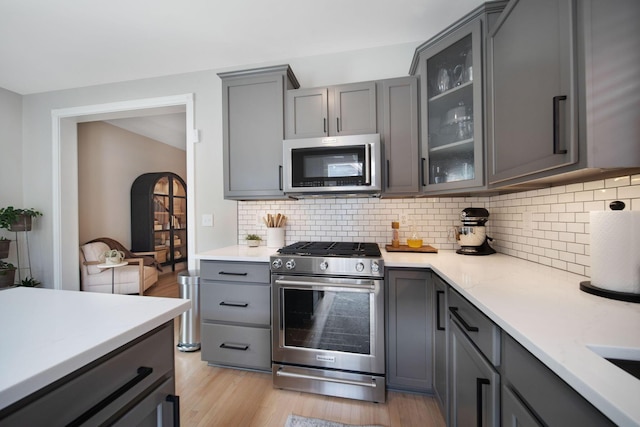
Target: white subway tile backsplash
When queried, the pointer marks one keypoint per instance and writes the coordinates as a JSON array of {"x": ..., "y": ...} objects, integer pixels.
[{"x": 559, "y": 234}]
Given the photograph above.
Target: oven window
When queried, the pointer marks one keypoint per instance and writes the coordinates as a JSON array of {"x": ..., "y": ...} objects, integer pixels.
[
  {"x": 328, "y": 320},
  {"x": 330, "y": 166}
]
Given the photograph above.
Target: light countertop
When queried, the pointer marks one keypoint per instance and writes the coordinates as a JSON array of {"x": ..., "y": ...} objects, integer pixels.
[
  {"x": 543, "y": 309},
  {"x": 47, "y": 334}
]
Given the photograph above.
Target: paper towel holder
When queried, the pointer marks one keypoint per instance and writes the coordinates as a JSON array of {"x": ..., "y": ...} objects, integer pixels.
[
  {"x": 617, "y": 205},
  {"x": 620, "y": 296},
  {"x": 586, "y": 286}
]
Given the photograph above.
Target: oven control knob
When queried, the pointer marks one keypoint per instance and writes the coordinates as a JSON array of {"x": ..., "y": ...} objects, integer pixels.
[
  {"x": 291, "y": 264},
  {"x": 277, "y": 263},
  {"x": 359, "y": 267},
  {"x": 375, "y": 268},
  {"x": 324, "y": 265}
]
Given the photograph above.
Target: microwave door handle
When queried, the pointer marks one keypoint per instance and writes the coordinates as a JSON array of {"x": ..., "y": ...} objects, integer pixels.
[{"x": 367, "y": 164}]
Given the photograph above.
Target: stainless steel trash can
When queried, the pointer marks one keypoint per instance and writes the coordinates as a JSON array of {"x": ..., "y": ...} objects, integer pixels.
[{"x": 189, "y": 282}]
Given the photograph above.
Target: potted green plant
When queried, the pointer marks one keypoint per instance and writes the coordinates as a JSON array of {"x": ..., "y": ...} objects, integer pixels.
[
  {"x": 253, "y": 240},
  {"x": 29, "y": 282},
  {"x": 4, "y": 247},
  {"x": 7, "y": 274},
  {"x": 14, "y": 219}
]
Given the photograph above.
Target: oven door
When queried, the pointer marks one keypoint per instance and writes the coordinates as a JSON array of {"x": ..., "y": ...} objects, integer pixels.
[{"x": 334, "y": 323}]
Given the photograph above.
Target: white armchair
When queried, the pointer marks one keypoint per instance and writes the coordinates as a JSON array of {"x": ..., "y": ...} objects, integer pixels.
[{"x": 130, "y": 279}]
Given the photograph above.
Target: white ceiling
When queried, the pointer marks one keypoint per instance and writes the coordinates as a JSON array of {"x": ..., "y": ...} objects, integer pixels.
[
  {"x": 50, "y": 45},
  {"x": 170, "y": 129}
]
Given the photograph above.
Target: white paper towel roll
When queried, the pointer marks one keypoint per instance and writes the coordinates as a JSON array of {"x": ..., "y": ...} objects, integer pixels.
[{"x": 615, "y": 250}]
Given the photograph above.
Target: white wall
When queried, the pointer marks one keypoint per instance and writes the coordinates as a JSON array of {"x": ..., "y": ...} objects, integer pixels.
[
  {"x": 109, "y": 160},
  {"x": 10, "y": 148},
  {"x": 11, "y": 158},
  {"x": 370, "y": 64}
]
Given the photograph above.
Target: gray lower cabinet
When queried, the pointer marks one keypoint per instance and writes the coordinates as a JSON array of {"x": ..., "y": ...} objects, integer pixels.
[
  {"x": 474, "y": 381},
  {"x": 133, "y": 385},
  {"x": 561, "y": 99},
  {"x": 253, "y": 106},
  {"x": 409, "y": 306},
  {"x": 235, "y": 307},
  {"x": 533, "y": 395},
  {"x": 348, "y": 109},
  {"x": 440, "y": 344},
  {"x": 399, "y": 132}
]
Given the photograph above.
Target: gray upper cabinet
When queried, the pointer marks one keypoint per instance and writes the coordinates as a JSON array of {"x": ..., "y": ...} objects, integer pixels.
[
  {"x": 562, "y": 82},
  {"x": 533, "y": 125},
  {"x": 451, "y": 70},
  {"x": 348, "y": 109},
  {"x": 253, "y": 105},
  {"x": 399, "y": 133}
]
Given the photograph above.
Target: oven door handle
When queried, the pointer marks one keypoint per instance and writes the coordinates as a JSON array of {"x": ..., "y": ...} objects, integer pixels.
[
  {"x": 369, "y": 285},
  {"x": 281, "y": 373},
  {"x": 367, "y": 164}
]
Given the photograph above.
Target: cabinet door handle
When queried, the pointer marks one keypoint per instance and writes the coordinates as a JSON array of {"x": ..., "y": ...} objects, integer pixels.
[
  {"x": 479, "y": 401},
  {"x": 324, "y": 125},
  {"x": 142, "y": 373},
  {"x": 388, "y": 170},
  {"x": 469, "y": 328},
  {"x": 280, "y": 177},
  {"x": 226, "y": 273},
  {"x": 175, "y": 400},
  {"x": 235, "y": 304},
  {"x": 422, "y": 170},
  {"x": 337, "y": 124},
  {"x": 231, "y": 346},
  {"x": 556, "y": 124},
  {"x": 438, "y": 326}
]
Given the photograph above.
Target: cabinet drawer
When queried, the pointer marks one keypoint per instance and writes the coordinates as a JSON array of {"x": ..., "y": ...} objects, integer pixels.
[
  {"x": 552, "y": 399},
  {"x": 124, "y": 375},
  {"x": 236, "y": 303},
  {"x": 238, "y": 346},
  {"x": 481, "y": 330},
  {"x": 235, "y": 271}
]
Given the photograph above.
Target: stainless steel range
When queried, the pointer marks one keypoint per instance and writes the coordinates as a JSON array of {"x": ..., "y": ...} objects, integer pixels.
[{"x": 328, "y": 319}]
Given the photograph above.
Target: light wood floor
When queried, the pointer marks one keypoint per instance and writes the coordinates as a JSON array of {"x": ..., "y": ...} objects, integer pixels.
[{"x": 212, "y": 396}]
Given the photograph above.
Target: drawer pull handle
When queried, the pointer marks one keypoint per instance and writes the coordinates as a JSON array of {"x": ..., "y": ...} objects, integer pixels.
[
  {"x": 469, "y": 328},
  {"x": 175, "y": 400},
  {"x": 142, "y": 373},
  {"x": 235, "y": 304},
  {"x": 479, "y": 403},
  {"x": 226, "y": 273},
  {"x": 241, "y": 347},
  {"x": 438, "y": 325}
]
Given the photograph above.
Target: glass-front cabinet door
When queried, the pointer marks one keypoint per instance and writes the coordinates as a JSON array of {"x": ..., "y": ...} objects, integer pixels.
[
  {"x": 170, "y": 219},
  {"x": 452, "y": 111}
]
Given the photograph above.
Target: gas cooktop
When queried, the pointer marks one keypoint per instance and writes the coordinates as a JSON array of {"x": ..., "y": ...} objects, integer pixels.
[{"x": 345, "y": 249}]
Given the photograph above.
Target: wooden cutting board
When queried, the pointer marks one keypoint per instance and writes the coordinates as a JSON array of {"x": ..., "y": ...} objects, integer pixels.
[{"x": 405, "y": 248}]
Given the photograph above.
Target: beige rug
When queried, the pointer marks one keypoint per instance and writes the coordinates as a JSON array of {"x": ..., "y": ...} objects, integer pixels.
[{"x": 298, "y": 421}]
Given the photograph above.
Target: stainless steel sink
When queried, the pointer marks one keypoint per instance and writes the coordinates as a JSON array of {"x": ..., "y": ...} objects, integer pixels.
[{"x": 627, "y": 359}]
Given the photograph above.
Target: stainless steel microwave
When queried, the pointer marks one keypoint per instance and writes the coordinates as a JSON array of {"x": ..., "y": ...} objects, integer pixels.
[{"x": 341, "y": 165}]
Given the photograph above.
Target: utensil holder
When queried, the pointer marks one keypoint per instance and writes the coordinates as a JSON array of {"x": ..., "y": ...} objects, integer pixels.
[{"x": 275, "y": 237}]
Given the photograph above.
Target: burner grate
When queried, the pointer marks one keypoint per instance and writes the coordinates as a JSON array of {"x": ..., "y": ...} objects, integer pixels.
[{"x": 332, "y": 249}]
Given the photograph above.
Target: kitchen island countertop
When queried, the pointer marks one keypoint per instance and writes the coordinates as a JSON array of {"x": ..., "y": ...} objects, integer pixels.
[
  {"x": 47, "y": 334},
  {"x": 543, "y": 309}
]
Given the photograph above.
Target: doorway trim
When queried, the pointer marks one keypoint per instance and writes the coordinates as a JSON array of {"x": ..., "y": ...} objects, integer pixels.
[{"x": 65, "y": 176}]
